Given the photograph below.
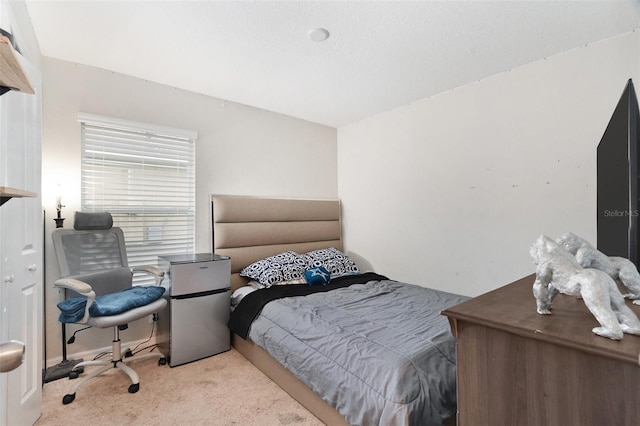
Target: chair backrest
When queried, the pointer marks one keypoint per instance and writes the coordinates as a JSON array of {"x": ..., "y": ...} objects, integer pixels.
[
  {"x": 92, "y": 252},
  {"x": 84, "y": 252}
]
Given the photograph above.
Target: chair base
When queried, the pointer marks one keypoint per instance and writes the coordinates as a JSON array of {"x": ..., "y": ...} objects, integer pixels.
[{"x": 118, "y": 361}]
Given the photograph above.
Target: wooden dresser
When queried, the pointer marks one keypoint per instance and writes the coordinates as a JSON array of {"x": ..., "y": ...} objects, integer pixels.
[{"x": 516, "y": 367}]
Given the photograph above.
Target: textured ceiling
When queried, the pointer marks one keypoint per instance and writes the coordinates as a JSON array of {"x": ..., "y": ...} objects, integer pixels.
[{"x": 380, "y": 54}]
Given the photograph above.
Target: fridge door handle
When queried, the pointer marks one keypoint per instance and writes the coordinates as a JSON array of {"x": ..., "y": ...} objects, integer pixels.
[{"x": 200, "y": 294}]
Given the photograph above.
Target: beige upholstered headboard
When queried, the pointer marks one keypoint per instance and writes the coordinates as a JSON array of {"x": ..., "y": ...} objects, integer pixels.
[{"x": 251, "y": 228}]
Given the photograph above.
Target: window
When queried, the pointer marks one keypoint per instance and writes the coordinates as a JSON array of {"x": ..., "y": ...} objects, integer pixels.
[{"x": 144, "y": 175}]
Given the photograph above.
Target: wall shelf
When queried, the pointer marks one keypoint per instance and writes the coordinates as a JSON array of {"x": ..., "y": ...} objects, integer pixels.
[
  {"x": 8, "y": 193},
  {"x": 12, "y": 75}
]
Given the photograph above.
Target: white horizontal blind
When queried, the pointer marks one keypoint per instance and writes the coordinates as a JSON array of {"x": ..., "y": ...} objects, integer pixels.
[{"x": 145, "y": 177}]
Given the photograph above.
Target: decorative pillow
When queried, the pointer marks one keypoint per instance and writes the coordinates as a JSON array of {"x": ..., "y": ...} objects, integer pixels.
[
  {"x": 317, "y": 276},
  {"x": 285, "y": 266},
  {"x": 336, "y": 262}
]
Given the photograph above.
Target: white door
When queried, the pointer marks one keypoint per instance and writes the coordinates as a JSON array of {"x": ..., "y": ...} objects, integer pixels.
[{"x": 21, "y": 264}]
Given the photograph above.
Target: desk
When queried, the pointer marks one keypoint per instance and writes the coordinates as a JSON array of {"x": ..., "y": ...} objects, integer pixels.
[{"x": 516, "y": 367}]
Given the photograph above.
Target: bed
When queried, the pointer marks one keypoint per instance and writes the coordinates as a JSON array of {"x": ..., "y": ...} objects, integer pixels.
[{"x": 362, "y": 349}]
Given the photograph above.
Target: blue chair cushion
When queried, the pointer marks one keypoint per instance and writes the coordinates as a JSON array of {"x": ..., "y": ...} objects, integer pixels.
[
  {"x": 72, "y": 310},
  {"x": 317, "y": 276}
]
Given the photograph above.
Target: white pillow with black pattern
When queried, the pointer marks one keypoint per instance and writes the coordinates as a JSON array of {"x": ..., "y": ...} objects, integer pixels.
[
  {"x": 333, "y": 260},
  {"x": 286, "y": 266}
]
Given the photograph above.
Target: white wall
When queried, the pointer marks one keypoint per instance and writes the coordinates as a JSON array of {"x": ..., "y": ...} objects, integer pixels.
[
  {"x": 447, "y": 192},
  {"x": 240, "y": 150},
  {"x": 451, "y": 191}
]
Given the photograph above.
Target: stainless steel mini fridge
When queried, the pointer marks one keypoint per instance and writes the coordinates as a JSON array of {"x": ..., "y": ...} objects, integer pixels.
[{"x": 195, "y": 323}]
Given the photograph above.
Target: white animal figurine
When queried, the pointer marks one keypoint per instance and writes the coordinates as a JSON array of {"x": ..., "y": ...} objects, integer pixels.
[
  {"x": 617, "y": 267},
  {"x": 557, "y": 270}
]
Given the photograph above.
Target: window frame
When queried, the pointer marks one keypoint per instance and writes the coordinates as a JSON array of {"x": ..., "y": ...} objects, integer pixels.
[{"x": 135, "y": 213}]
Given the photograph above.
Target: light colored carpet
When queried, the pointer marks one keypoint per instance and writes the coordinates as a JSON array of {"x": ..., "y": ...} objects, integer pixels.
[{"x": 225, "y": 389}]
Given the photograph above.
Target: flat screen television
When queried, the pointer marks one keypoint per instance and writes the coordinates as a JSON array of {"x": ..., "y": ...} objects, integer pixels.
[{"x": 618, "y": 180}]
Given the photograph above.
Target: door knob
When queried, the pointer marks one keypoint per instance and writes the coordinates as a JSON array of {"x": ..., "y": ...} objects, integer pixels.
[
  {"x": 11, "y": 355},
  {"x": 8, "y": 278},
  {"x": 32, "y": 267}
]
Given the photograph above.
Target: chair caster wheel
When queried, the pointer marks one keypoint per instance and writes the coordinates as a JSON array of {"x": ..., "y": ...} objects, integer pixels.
[
  {"x": 74, "y": 375},
  {"x": 162, "y": 361},
  {"x": 134, "y": 388},
  {"x": 68, "y": 398}
]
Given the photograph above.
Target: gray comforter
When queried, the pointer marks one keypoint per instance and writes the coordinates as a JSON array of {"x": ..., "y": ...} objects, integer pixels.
[{"x": 380, "y": 352}]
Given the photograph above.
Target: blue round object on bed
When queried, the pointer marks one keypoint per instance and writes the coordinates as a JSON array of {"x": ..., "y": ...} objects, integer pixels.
[{"x": 317, "y": 276}]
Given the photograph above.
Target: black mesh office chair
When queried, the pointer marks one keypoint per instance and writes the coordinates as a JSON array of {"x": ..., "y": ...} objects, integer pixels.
[{"x": 99, "y": 292}]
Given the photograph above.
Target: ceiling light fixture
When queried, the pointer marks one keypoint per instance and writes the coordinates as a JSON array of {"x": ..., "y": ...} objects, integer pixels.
[{"x": 318, "y": 34}]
